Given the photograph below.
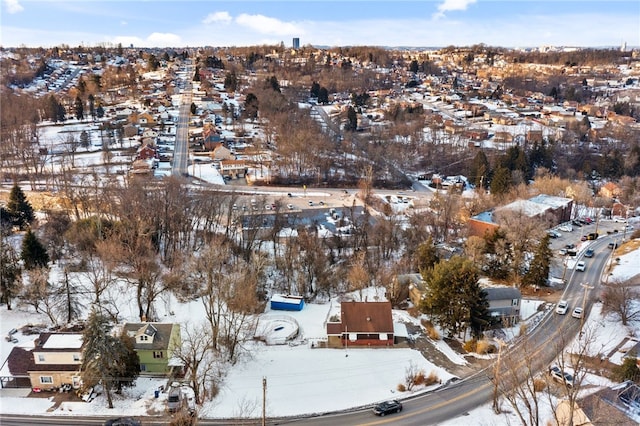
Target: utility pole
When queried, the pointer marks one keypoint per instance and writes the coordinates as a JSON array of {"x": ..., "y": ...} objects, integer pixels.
[
  {"x": 586, "y": 287},
  {"x": 264, "y": 401}
]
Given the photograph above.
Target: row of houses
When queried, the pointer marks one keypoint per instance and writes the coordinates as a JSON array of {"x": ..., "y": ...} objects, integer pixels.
[{"x": 56, "y": 358}]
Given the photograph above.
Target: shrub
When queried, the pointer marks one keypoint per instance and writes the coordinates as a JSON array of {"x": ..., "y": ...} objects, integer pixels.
[
  {"x": 431, "y": 330},
  {"x": 401, "y": 387},
  {"x": 470, "y": 345},
  {"x": 419, "y": 378},
  {"x": 539, "y": 385},
  {"x": 432, "y": 379},
  {"x": 484, "y": 347},
  {"x": 523, "y": 329}
]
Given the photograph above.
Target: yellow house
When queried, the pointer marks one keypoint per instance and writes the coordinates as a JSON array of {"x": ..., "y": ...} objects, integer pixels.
[{"x": 55, "y": 360}]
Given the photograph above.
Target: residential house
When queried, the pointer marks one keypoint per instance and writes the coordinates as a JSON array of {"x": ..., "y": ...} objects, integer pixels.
[
  {"x": 155, "y": 343},
  {"x": 504, "y": 305},
  {"x": 221, "y": 152},
  {"x": 55, "y": 360},
  {"x": 362, "y": 324},
  {"x": 415, "y": 286}
]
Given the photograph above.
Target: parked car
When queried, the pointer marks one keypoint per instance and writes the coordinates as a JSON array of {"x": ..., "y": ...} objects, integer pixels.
[
  {"x": 581, "y": 266},
  {"x": 554, "y": 234},
  {"x": 174, "y": 400},
  {"x": 588, "y": 252},
  {"x": 560, "y": 376},
  {"x": 387, "y": 407},
  {"x": 577, "y": 312},
  {"x": 576, "y": 223},
  {"x": 562, "y": 307},
  {"x": 566, "y": 228}
]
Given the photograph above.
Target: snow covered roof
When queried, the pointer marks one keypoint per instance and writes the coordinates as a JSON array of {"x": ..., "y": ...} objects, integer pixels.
[{"x": 63, "y": 341}]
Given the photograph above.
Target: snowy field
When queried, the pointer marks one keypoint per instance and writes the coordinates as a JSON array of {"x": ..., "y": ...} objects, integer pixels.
[{"x": 300, "y": 379}]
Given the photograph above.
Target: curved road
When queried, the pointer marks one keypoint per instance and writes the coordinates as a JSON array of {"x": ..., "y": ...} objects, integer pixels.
[{"x": 456, "y": 399}]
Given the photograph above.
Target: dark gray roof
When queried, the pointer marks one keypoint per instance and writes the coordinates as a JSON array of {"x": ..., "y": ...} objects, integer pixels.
[{"x": 502, "y": 293}]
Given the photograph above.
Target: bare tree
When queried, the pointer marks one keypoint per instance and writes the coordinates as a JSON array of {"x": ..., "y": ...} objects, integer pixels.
[
  {"x": 203, "y": 369},
  {"x": 620, "y": 298}
]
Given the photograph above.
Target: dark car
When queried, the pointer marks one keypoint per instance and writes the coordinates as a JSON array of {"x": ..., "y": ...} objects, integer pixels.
[
  {"x": 588, "y": 253},
  {"x": 123, "y": 421},
  {"x": 387, "y": 407},
  {"x": 576, "y": 223},
  {"x": 612, "y": 245}
]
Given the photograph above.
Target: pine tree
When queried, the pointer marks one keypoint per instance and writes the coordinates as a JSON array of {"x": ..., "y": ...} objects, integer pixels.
[
  {"x": 19, "y": 208},
  {"x": 10, "y": 274},
  {"x": 79, "y": 108},
  {"x": 33, "y": 253},
  {"x": 540, "y": 264},
  {"x": 107, "y": 359},
  {"x": 454, "y": 298},
  {"x": 426, "y": 256}
]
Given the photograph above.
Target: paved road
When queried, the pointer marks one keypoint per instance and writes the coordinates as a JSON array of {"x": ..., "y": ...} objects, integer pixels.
[{"x": 181, "y": 148}]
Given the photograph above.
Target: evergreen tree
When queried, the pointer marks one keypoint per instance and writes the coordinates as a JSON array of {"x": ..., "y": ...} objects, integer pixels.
[
  {"x": 352, "y": 120},
  {"x": 454, "y": 298},
  {"x": 480, "y": 169},
  {"x": 33, "y": 254},
  {"x": 426, "y": 256},
  {"x": 196, "y": 75},
  {"x": 315, "y": 89},
  {"x": 10, "y": 274},
  {"x": 539, "y": 267},
  {"x": 85, "y": 139},
  {"x": 273, "y": 83},
  {"x": 251, "y": 106},
  {"x": 100, "y": 111},
  {"x": 19, "y": 209},
  {"x": 501, "y": 181},
  {"x": 628, "y": 370},
  {"x": 106, "y": 359},
  {"x": 79, "y": 108},
  {"x": 92, "y": 106},
  {"x": 231, "y": 81},
  {"x": 323, "y": 96}
]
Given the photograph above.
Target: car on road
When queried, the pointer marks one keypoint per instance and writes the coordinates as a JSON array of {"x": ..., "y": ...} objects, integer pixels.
[
  {"x": 581, "y": 266},
  {"x": 589, "y": 252},
  {"x": 577, "y": 312},
  {"x": 612, "y": 245},
  {"x": 290, "y": 206},
  {"x": 387, "y": 407},
  {"x": 123, "y": 421},
  {"x": 562, "y": 307}
]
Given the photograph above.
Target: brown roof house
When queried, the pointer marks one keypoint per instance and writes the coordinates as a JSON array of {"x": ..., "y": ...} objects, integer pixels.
[
  {"x": 361, "y": 324},
  {"x": 54, "y": 361}
]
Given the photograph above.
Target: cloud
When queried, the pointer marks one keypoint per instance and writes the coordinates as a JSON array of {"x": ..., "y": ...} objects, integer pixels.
[
  {"x": 449, "y": 5},
  {"x": 13, "y": 6},
  {"x": 164, "y": 39},
  {"x": 265, "y": 25},
  {"x": 217, "y": 17}
]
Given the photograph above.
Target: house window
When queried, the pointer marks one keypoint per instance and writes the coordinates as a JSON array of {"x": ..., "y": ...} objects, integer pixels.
[
  {"x": 41, "y": 358},
  {"x": 46, "y": 380},
  {"x": 514, "y": 302},
  {"x": 157, "y": 354},
  {"x": 144, "y": 338},
  {"x": 76, "y": 357}
]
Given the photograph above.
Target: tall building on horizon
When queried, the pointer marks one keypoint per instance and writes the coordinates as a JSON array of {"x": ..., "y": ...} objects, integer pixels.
[{"x": 296, "y": 43}]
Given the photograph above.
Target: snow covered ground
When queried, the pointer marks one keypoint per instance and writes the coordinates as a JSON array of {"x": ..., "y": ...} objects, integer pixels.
[{"x": 300, "y": 379}]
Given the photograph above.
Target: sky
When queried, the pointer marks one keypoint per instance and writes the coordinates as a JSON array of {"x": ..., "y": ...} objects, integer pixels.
[{"x": 416, "y": 23}]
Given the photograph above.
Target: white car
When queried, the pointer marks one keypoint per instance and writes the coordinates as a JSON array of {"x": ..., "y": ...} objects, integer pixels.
[
  {"x": 566, "y": 228},
  {"x": 577, "y": 313},
  {"x": 562, "y": 308},
  {"x": 581, "y": 266}
]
